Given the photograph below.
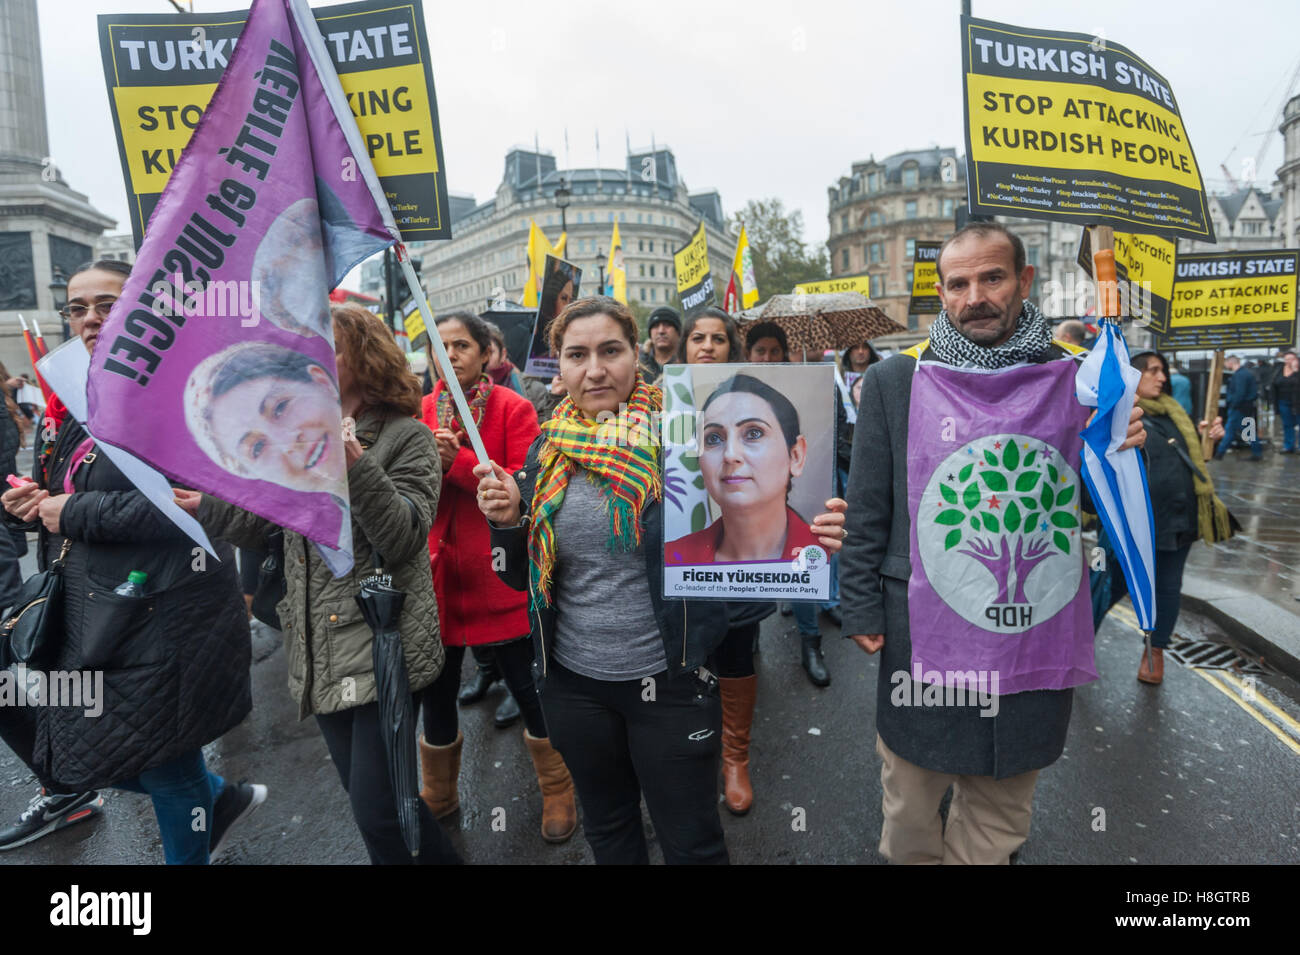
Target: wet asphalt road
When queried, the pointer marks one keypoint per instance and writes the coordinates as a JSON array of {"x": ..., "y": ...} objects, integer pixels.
[{"x": 1183, "y": 773}]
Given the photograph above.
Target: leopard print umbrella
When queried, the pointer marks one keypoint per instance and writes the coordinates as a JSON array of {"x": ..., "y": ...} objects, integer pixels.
[{"x": 821, "y": 321}]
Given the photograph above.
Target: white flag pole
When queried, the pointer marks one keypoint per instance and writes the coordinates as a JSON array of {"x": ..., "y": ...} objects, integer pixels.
[{"x": 444, "y": 363}]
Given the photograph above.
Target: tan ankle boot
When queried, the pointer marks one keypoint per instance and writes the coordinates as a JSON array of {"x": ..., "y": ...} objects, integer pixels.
[
  {"x": 738, "y": 697},
  {"x": 559, "y": 811},
  {"x": 440, "y": 769},
  {"x": 1152, "y": 669}
]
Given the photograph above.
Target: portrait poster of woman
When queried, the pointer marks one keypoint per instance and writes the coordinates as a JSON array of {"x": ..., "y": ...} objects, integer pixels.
[
  {"x": 749, "y": 460},
  {"x": 560, "y": 286}
]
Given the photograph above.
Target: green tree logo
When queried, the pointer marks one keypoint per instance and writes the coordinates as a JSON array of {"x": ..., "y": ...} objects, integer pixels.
[{"x": 1010, "y": 507}]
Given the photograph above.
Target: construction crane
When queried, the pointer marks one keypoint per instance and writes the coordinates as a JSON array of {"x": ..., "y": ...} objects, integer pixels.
[{"x": 1250, "y": 172}]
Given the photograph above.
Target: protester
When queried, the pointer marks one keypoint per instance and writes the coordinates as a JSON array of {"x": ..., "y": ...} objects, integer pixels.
[
  {"x": 1243, "y": 392},
  {"x": 393, "y": 484},
  {"x": 580, "y": 528},
  {"x": 13, "y": 542},
  {"x": 709, "y": 336},
  {"x": 991, "y": 756},
  {"x": 476, "y": 609},
  {"x": 1180, "y": 386},
  {"x": 663, "y": 333},
  {"x": 174, "y": 663},
  {"x": 766, "y": 342},
  {"x": 1183, "y": 504},
  {"x": 1072, "y": 332},
  {"x": 859, "y": 358},
  {"x": 1286, "y": 395}
]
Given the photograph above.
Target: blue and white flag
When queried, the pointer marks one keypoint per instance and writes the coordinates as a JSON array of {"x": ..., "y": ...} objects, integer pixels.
[{"x": 1117, "y": 480}]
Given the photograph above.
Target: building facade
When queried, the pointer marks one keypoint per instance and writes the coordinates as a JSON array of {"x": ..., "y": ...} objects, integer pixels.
[
  {"x": 655, "y": 212},
  {"x": 47, "y": 229}
]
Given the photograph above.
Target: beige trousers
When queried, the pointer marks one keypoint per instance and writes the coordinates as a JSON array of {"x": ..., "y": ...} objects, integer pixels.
[{"x": 987, "y": 820}]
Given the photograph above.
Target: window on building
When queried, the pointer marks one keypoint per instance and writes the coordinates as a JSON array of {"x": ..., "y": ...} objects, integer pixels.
[
  {"x": 844, "y": 260},
  {"x": 611, "y": 217},
  {"x": 873, "y": 182},
  {"x": 844, "y": 223},
  {"x": 911, "y": 277},
  {"x": 640, "y": 218},
  {"x": 640, "y": 245},
  {"x": 642, "y": 270},
  {"x": 877, "y": 252},
  {"x": 874, "y": 219},
  {"x": 910, "y": 177},
  {"x": 911, "y": 248},
  {"x": 643, "y": 293},
  {"x": 877, "y": 286},
  {"x": 912, "y": 323},
  {"x": 949, "y": 207},
  {"x": 909, "y": 209},
  {"x": 653, "y": 295},
  {"x": 652, "y": 270},
  {"x": 550, "y": 220}
]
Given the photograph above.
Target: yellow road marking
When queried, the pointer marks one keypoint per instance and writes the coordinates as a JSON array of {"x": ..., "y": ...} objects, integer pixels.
[{"x": 1230, "y": 689}]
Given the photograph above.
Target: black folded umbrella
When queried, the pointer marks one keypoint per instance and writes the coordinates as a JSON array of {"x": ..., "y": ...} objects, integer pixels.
[{"x": 381, "y": 605}]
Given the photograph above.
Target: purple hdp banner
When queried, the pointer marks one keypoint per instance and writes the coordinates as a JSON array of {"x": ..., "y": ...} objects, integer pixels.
[
  {"x": 217, "y": 364},
  {"x": 999, "y": 583}
]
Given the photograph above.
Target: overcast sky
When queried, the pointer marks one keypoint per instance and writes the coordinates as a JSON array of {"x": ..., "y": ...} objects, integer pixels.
[{"x": 759, "y": 98}]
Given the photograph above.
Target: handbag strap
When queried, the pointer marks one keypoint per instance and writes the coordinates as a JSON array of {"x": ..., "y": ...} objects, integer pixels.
[{"x": 80, "y": 456}]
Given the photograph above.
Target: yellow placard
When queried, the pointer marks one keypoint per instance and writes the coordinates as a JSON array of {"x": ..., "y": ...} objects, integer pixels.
[
  {"x": 844, "y": 283},
  {"x": 692, "y": 261},
  {"x": 157, "y": 122},
  {"x": 1035, "y": 123},
  {"x": 1147, "y": 258},
  {"x": 392, "y": 111},
  {"x": 1233, "y": 301}
]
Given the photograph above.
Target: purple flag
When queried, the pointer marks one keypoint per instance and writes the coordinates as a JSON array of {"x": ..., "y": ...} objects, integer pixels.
[
  {"x": 217, "y": 364},
  {"x": 999, "y": 584}
]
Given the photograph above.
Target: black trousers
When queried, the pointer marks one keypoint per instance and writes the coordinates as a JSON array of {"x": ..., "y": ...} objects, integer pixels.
[
  {"x": 515, "y": 661},
  {"x": 734, "y": 656},
  {"x": 622, "y": 740},
  {"x": 357, "y": 749}
]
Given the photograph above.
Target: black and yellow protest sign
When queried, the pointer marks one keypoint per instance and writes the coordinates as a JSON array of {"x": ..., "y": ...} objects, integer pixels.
[
  {"x": 925, "y": 276},
  {"x": 1073, "y": 127},
  {"x": 1233, "y": 300},
  {"x": 694, "y": 280},
  {"x": 1144, "y": 269},
  {"x": 841, "y": 283},
  {"x": 163, "y": 69}
]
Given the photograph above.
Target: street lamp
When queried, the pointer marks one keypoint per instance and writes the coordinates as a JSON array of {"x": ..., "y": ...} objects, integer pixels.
[
  {"x": 562, "y": 196},
  {"x": 600, "y": 264},
  {"x": 59, "y": 292}
]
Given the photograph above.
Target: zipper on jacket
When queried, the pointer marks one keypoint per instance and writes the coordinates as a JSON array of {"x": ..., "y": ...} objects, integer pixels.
[
  {"x": 683, "y": 634},
  {"x": 541, "y": 632}
]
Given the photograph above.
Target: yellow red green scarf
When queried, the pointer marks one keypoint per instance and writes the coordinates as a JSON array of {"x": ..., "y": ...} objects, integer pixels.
[{"x": 622, "y": 454}]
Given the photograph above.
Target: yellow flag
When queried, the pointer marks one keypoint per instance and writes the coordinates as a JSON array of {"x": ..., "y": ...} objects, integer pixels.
[
  {"x": 539, "y": 247},
  {"x": 615, "y": 271},
  {"x": 742, "y": 290}
]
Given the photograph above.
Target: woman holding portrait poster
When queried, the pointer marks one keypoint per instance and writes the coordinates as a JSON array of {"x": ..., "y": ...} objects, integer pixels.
[{"x": 580, "y": 527}]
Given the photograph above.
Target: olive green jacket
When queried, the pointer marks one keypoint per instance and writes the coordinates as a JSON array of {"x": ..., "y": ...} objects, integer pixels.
[{"x": 394, "y": 494}]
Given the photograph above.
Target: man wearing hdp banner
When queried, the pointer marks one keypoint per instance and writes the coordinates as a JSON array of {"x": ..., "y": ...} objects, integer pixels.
[{"x": 963, "y": 559}]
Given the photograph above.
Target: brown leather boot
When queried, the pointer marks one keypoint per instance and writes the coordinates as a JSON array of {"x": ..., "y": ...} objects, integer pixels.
[
  {"x": 1152, "y": 670},
  {"x": 440, "y": 769},
  {"x": 738, "y": 696},
  {"x": 559, "y": 811}
]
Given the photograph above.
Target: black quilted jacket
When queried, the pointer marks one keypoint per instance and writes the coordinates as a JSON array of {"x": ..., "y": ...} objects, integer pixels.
[{"x": 175, "y": 663}]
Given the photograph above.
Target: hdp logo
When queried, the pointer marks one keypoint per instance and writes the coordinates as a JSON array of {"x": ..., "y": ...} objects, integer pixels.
[{"x": 998, "y": 532}]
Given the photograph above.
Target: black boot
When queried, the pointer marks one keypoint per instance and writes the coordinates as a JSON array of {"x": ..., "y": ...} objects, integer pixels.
[
  {"x": 476, "y": 689},
  {"x": 508, "y": 712},
  {"x": 814, "y": 663}
]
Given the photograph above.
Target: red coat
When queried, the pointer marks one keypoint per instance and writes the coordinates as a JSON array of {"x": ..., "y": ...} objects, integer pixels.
[
  {"x": 474, "y": 606},
  {"x": 701, "y": 547}
]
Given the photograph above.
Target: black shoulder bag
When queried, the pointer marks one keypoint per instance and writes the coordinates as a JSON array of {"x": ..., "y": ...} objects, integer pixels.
[{"x": 33, "y": 629}]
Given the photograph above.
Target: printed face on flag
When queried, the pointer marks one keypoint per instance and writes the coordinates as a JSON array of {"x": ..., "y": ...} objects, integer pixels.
[{"x": 222, "y": 339}]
